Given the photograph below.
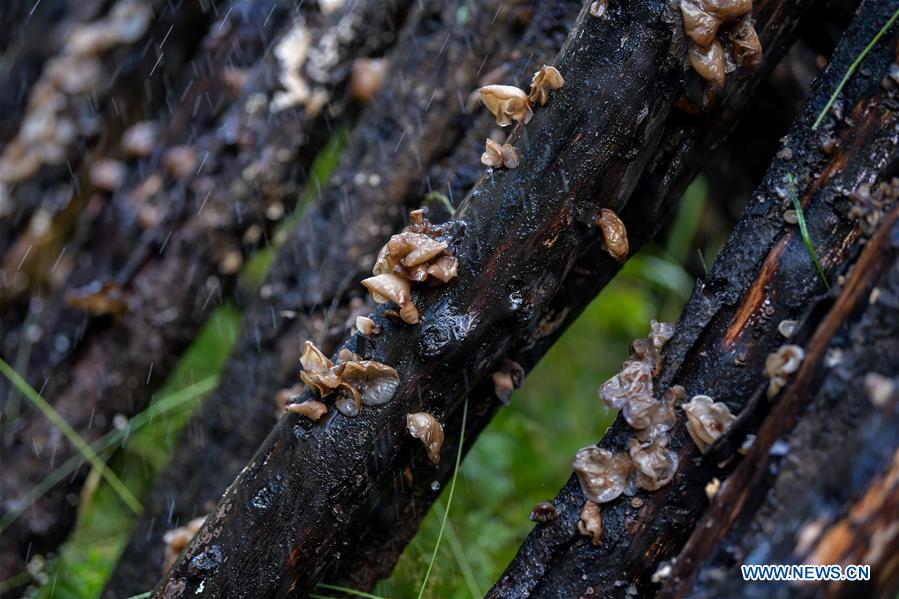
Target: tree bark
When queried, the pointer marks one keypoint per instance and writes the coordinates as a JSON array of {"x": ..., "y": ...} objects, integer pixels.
[
  {"x": 409, "y": 127},
  {"x": 522, "y": 236},
  {"x": 763, "y": 276},
  {"x": 112, "y": 365}
]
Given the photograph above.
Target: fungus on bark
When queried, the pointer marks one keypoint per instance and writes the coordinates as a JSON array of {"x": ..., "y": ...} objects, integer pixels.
[
  {"x": 655, "y": 464},
  {"x": 544, "y": 512},
  {"x": 710, "y": 24},
  {"x": 355, "y": 381},
  {"x": 415, "y": 254},
  {"x": 706, "y": 420},
  {"x": 614, "y": 234},
  {"x": 780, "y": 364},
  {"x": 311, "y": 409},
  {"x": 602, "y": 474},
  {"x": 507, "y": 103},
  {"x": 545, "y": 80},
  {"x": 177, "y": 539},
  {"x": 496, "y": 156},
  {"x": 590, "y": 522},
  {"x": 367, "y": 326},
  {"x": 425, "y": 427},
  {"x": 393, "y": 288}
]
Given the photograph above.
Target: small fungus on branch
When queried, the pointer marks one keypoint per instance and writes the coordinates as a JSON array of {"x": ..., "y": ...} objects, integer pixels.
[
  {"x": 357, "y": 381},
  {"x": 706, "y": 420},
  {"x": 425, "y": 427}
]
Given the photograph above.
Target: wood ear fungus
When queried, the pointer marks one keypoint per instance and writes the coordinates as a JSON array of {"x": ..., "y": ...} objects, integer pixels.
[
  {"x": 425, "y": 428},
  {"x": 590, "y": 522},
  {"x": 706, "y": 420},
  {"x": 507, "y": 103},
  {"x": 545, "y": 80},
  {"x": 614, "y": 234},
  {"x": 497, "y": 156}
]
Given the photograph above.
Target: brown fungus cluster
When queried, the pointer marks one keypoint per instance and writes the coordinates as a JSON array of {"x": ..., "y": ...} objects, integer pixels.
[
  {"x": 416, "y": 254},
  {"x": 425, "y": 428},
  {"x": 511, "y": 104},
  {"x": 722, "y": 36},
  {"x": 177, "y": 539},
  {"x": 647, "y": 464},
  {"x": 706, "y": 420},
  {"x": 354, "y": 380},
  {"x": 497, "y": 156},
  {"x": 782, "y": 363}
]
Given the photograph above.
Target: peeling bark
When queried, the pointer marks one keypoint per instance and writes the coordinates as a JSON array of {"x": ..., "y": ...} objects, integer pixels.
[{"x": 763, "y": 276}]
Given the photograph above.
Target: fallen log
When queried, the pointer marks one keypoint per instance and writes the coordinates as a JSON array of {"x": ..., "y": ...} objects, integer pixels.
[
  {"x": 183, "y": 253},
  {"x": 763, "y": 276},
  {"x": 236, "y": 418},
  {"x": 821, "y": 482},
  {"x": 292, "y": 506}
]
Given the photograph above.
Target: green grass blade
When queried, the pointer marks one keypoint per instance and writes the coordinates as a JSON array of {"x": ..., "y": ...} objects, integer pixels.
[
  {"x": 853, "y": 67},
  {"x": 348, "y": 591},
  {"x": 803, "y": 229},
  {"x": 449, "y": 500},
  {"x": 459, "y": 554},
  {"x": 85, "y": 449},
  {"x": 160, "y": 407}
]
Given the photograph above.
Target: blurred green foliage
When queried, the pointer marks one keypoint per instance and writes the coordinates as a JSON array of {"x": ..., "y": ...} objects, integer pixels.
[{"x": 522, "y": 458}]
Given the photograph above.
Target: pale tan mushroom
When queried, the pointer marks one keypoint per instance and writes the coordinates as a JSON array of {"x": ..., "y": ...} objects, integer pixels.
[
  {"x": 393, "y": 288},
  {"x": 655, "y": 463},
  {"x": 376, "y": 383},
  {"x": 633, "y": 381},
  {"x": 614, "y": 234},
  {"x": 545, "y": 80},
  {"x": 425, "y": 427},
  {"x": 590, "y": 522},
  {"x": 367, "y": 326},
  {"x": 778, "y": 365},
  {"x": 602, "y": 474},
  {"x": 496, "y": 156},
  {"x": 318, "y": 371},
  {"x": 507, "y": 103},
  {"x": 311, "y": 409},
  {"x": 707, "y": 420}
]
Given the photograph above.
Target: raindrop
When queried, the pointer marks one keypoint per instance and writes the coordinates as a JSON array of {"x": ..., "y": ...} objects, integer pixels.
[{"x": 435, "y": 486}]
